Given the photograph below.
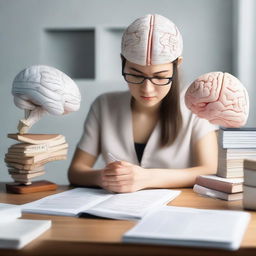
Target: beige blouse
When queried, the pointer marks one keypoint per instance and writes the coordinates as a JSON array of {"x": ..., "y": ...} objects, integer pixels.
[{"x": 108, "y": 128}]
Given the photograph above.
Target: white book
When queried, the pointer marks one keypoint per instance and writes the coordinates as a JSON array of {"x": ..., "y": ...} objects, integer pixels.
[
  {"x": 249, "y": 201},
  {"x": 18, "y": 233},
  {"x": 250, "y": 172},
  {"x": 204, "y": 191},
  {"x": 9, "y": 212},
  {"x": 101, "y": 203},
  {"x": 237, "y": 137},
  {"x": 182, "y": 226}
]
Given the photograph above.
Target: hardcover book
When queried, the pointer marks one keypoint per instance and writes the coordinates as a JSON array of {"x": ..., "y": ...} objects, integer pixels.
[{"x": 231, "y": 185}]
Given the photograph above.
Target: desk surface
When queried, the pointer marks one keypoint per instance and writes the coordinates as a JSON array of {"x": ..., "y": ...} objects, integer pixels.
[{"x": 93, "y": 236}]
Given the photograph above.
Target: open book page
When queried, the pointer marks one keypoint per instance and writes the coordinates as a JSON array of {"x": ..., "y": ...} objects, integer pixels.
[
  {"x": 191, "y": 227},
  {"x": 101, "y": 203},
  {"x": 9, "y": 212},
  {"x": 69, "y": 203},
  {"x": 133, "y": 205}
]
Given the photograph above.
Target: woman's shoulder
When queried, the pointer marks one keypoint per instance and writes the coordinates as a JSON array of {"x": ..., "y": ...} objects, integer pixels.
[{"x": 113, "y": 95}]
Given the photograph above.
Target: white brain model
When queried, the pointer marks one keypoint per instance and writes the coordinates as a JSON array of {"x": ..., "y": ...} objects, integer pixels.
[
  {"x": 42, "y": 89},
  {"x": 151, "y": 40},
  {"x": 220, "y": 98}
]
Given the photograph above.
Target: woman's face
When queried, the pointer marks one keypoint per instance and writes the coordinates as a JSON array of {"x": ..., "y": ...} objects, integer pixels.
[{"x": 148, "y": 94}]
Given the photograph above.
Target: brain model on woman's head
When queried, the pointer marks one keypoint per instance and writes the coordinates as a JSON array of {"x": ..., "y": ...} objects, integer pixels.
[
  {"x": 220, "y": 98},
  {"x": 151, "y": 40}
]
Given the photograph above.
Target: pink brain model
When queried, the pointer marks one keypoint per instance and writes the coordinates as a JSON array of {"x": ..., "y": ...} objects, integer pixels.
[{"x": 220, "y": 98}]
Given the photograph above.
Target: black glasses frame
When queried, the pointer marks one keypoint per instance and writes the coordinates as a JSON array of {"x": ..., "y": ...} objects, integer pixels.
[{"x": 147, "y": 77}]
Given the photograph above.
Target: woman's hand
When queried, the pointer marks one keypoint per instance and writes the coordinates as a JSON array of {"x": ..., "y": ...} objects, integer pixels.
[{"x": 123, "y": 177}]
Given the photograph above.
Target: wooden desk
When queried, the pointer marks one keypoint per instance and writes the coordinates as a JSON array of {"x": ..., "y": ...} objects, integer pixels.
[{"x": 92, "y": 236}]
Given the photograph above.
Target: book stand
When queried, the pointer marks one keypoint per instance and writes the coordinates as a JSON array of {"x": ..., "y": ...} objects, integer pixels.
[{"x": 36, "y": 186}]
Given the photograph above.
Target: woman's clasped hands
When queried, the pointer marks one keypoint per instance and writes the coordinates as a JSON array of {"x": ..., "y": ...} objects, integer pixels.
[{"x": 122, "y": 177}]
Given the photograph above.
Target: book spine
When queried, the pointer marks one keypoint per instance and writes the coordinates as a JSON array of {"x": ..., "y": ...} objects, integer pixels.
[
  {"x": 217, "y": 185},
  {"x": 29, "y": 167},
  {"x": 51, "y": 159},
  {"x": 220, "y": 138},
  {"x": 210, "y": 192}
]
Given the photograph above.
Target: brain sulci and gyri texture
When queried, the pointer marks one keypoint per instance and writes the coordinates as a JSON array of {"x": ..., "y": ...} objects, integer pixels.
[
  {"x": 43, "y": 89},
  {"x": 220, "y": 98}
]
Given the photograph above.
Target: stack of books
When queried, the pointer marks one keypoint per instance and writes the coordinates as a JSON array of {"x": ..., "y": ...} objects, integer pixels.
[
  {"x": 235, "y": 145},
  {"x": 26, "y": 159},
  {"x": 16, "y": 233},
  {"x": 218, "y": 187},
  {"x": 249, "y": 201}
]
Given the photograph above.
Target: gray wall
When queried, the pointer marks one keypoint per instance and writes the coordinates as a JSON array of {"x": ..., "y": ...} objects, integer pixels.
[
  {"x": 206, "y": 27},
  {"x": 244, "y": 49}
]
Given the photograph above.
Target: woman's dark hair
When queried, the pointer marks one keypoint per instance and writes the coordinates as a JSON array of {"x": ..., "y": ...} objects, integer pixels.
[{"x": 170, "y": 113}]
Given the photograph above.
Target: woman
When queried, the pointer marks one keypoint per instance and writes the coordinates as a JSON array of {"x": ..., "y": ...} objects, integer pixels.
[{"x": 156, "y": 140}]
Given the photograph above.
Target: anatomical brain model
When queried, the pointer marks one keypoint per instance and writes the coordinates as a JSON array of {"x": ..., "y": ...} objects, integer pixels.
[
  {"x": 38, "y": 90},
  {"x": 220, "y": 98},
  {"x": 43, "y": 89}
]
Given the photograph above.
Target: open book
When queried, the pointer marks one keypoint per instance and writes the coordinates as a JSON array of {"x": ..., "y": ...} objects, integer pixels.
[
  {"x": 101, "y": 203},
  {"x": 190, "y": 227},
  {"x": 35, "y": 138}
]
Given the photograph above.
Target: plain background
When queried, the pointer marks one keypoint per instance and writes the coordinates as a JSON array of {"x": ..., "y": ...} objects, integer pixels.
[{"x": 83, "y": 38}]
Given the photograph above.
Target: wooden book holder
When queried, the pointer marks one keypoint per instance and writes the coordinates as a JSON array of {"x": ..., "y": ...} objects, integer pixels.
[{"x": 36, "y": 186}]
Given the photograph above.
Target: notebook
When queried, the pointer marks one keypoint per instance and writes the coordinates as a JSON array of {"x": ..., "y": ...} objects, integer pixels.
[
  {"x": 17, "y": 233},
  {"x": 181, "y": 226},
  {"x": 99, "y": 202}
]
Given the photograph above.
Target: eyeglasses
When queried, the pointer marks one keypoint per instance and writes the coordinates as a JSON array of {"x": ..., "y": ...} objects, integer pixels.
[{"x": 138, "y": 79}]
